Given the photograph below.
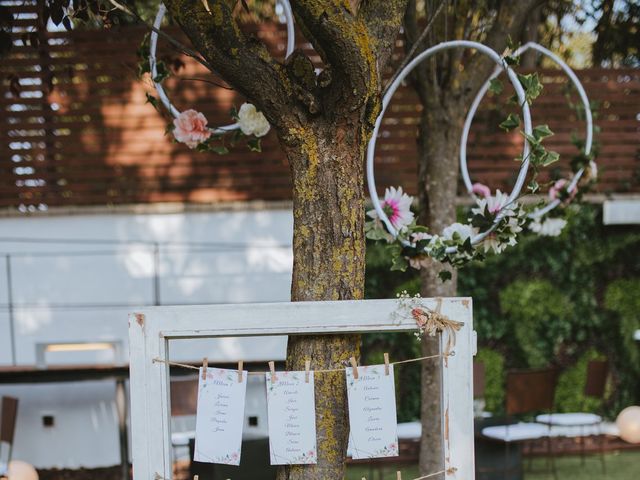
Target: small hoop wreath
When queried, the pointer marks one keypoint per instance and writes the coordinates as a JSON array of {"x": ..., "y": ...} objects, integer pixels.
[
  {"x": 195, "y": 130},
  {"x": 456, "y": 244},
  {"x": 569, "y": 186}
]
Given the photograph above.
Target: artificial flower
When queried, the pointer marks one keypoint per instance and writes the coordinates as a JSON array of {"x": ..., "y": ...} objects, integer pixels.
[
  {"x": 495, "y": 204},
  {"x": 555, "y": 190},
  {"x": 462, "y": 231},
  {"x": 592, "y": 170},
  {"x": 551, "y": 227},
  {"x": 251, "y": 121},
  {"x": 481, "y": 189},
  {"x": 397, "y": 206},
  {"x": 191, "y": 128}
]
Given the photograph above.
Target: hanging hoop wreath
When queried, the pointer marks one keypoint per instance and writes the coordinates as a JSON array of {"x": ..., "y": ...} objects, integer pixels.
[
  {"x": 189, "y": 126},
  {"x": 564, "y": 190},
  {"x": 495, "y": 222}
]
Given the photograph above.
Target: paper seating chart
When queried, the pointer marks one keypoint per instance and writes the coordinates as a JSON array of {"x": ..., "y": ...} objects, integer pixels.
[
  {"x": 291, "y": 414},
  {"x": 372, "y": 412},
  {"x": 220, "y": 416}
]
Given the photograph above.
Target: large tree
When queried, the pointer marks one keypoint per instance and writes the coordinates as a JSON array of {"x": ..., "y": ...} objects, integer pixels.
[
  {"x": 323, "y": 122},
  {"x": 446, "y": 85}
]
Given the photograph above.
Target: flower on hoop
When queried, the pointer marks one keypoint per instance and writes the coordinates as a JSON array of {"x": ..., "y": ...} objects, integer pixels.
[
  {"x": 414, "y": 245},
  {"x": 397, "y": 206},
  {"x": 190, "y": 128}
]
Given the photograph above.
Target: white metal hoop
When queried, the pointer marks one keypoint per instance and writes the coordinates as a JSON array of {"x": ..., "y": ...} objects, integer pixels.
[
  {"x": 482, "y": 92},
  {"x": 153, "y": 45},
  {"x": 387, "y": 99}
]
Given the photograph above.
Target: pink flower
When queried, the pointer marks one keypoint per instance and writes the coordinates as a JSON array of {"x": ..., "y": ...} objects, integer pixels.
[
  {"x": 554, "y": 191},
  {"x": 481, "y": 189},
  {"x": 191, "y": 128}
]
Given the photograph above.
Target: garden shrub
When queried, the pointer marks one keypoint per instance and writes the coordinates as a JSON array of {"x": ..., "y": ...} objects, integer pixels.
[
  {"x": 494, "y": 377},
  {"x": 540, "y": 316},
  {"x": 570, "y": 395}
]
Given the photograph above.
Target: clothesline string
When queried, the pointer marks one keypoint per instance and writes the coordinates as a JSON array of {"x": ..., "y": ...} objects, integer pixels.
[
  {"x": 328, "y": 370},
  {"x": 431, "y": 475}
]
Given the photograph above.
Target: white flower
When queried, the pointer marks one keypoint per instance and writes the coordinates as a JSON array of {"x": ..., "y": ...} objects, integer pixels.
[
  {"x": 551, "y": 227},
  {"x": 397, "y": 206},
  {"x": 417, "y": 236},
  {"x": 463, "y": 232},
  {"x": 592, "y": 170},
  {"x": 491, "y": 243},
  {"x": 251, "y": 121},
  {"x": 495, "y": 204}
]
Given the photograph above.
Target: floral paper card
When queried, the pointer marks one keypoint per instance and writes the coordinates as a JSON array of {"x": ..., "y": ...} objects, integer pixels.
[
  {"x": 291, "y": 413},
  {"x": 372, "y": 412},
  {"x": 220, "y": 416}
]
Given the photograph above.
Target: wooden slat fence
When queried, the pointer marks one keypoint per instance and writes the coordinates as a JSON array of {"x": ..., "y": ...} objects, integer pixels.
[{"x": 93, "y": 140}]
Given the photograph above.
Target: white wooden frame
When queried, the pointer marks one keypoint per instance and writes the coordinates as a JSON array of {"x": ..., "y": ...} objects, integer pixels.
[{"x": 151, "y": 329}]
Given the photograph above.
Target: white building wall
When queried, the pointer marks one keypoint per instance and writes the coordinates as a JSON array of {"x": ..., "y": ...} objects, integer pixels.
[{"x": 82, "y": 292}]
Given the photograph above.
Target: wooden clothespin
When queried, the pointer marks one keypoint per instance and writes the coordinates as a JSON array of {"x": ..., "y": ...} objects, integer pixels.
[
  {"x": 205, "y": 361},
  {"x": 386, "y": 363},
  {"x": 354, "y": 366},
  {"x": 240, "y": 365},
  {"x": 398, "y": 475},
  {"x": 272, "y": 369},
  {"x": 196, "y": 477},
  {"x": 307, "y": 368}
]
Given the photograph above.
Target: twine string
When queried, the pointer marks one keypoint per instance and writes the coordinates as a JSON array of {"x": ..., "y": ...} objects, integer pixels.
[
  {"x": 431, "y": 475},
  {"x": 325, "y": 370}
]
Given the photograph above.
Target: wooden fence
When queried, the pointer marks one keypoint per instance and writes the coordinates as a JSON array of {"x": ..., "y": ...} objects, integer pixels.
[{"x": 92, "y": 139}]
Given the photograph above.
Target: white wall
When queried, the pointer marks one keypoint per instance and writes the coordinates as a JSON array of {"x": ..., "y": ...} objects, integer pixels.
[{"x": 74, "y": 292}]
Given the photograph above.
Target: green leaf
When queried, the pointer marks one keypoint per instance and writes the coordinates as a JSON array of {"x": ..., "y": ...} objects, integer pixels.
[
  {"x": 219, "y": 149},
  {"x": 254, "y": 144},
  {"x": 394, "y": 249},
  {"x": 445, "y": 275},
  {"x": 549, "y": 158},
  {"x": 511, "y": 60},
  {"x": 495, "y": 86},
  {"x": 399, "y": 264},
  {"x": 375, "y": 234},
  {"x": 233, "y": 113},
  {"x": 542, "y": 131},
  {"x": 531, "y": 84},
  {"x": 162, "y": 72},
  {"x": 511, "y": 122},
  {"x": 533, "y": 186},
  {"x": 153, "y": 101}
]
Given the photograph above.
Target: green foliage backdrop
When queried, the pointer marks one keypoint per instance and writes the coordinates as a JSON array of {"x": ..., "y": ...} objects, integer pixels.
[{"x": 548, "y": 301}]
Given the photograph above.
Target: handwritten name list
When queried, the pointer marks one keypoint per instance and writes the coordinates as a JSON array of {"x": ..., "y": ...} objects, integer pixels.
[
  {"x": 292, "y": 418},
  {"x": 372, "y": 412},
  {"x": 220, "y": 416}
]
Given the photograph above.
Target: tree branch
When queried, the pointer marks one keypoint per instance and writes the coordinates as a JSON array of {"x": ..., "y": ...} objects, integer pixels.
[
  {"x": 244, "y": 63},
  {"x": 382, "y": 18},
  {"x": 182, "y": 48},
  {"x": 410, "y": 37},
  {"x": 509, "y": 21},
  {"x": 345, "y": 44}
]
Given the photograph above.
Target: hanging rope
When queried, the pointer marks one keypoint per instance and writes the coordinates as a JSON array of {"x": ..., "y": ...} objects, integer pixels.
[{"x": 327, "y": 370}]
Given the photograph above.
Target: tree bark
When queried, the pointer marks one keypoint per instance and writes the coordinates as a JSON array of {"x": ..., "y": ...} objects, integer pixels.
[
  {"x": 323, "y": 122},
  {"x": 329, "y": 264},
  {"x": 445, "y": 91},
  {"x": 439, "y": 133}
]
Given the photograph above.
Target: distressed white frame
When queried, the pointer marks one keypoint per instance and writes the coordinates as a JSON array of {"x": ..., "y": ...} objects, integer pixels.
[{"x": 151, "y": 329}]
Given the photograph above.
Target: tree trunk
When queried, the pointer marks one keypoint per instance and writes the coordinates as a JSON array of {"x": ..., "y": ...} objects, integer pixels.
[
  {"x": 439, "y": 135},
  {"x": 329, "y": 264}
]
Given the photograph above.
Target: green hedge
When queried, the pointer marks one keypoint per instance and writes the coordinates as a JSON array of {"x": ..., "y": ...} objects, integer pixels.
[{"x": 548, "y": 301}]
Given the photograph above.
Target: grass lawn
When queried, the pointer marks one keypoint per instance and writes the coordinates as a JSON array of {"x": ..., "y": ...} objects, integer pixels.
[{"x": 620, "y": 466}]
